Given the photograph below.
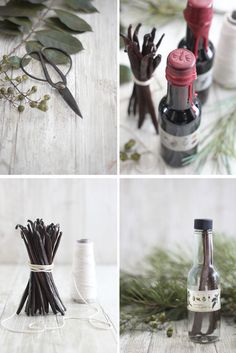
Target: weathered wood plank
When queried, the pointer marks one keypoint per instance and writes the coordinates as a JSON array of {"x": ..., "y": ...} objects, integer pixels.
[
  {"x": 158, "y": 342},
  {"x": 179, "y": 342},
  {"x": 135, "y": 342},
  {"x": 59, "y": 142},
  {"x": 76, "y": 335},
  {"x": 227, "y": 343}
]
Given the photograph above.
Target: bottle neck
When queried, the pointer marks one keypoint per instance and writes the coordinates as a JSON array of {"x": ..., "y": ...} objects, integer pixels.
[
  {"x": 180, "y": 97},
  {"x": 196, "y": 44},
  {"x": 203, "y": 248}
]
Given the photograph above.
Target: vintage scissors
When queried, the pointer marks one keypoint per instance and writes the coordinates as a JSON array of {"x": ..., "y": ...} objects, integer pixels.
[{"x": 61, "y": 85}]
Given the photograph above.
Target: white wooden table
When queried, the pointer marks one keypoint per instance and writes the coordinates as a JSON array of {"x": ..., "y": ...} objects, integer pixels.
[
  {"x": 76, "y": 336},
  {"x": 147, "y": 140},
  {"x": 59, "y": 142},
  {"x": 158, "y": 342}
]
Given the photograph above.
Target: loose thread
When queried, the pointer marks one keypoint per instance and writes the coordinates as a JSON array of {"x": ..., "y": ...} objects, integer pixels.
[{"x": 91, "y": 319}]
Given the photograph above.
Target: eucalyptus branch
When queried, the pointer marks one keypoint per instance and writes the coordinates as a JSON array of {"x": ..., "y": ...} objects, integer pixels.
[
  {"x": 34, "y": 27},
  {"x": 32, "y": 19}
]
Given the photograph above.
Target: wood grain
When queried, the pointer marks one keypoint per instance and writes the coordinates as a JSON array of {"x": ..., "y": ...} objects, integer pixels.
[
  {"x": 158, "y": 342},
  {"x": 75, "y": 336},
  {"x": 59, "y": 142}
]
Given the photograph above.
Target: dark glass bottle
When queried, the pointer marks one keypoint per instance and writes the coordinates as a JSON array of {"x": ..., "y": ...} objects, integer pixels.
[
  {"x": 203, "y": 288},
  {"x": 198, "y": 15},
  {"x": 179, "y": 110}
]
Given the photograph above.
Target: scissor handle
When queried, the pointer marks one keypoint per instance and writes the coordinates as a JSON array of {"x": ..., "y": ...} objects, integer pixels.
[{"x": 43, "y": 59}]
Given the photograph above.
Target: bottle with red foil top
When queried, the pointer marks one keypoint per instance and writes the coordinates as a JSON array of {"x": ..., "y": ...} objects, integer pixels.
[
  {"x": 198, "y": 15},
  {"x": 179, "y": 110}
]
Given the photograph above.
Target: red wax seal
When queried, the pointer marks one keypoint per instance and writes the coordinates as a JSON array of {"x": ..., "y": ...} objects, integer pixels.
[
  {"x": 181, "y": 67},
  {"x": 198, "y": 14}
]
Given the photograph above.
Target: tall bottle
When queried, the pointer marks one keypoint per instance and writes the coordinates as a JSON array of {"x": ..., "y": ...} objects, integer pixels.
[
  {"x": 179, "y": 110},
  {"x": 203, "y": 288},
  {"x": 198, "y": 15}
]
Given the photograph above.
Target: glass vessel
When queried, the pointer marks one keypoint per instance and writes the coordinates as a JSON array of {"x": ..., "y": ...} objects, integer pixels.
[
  {"x": 198, "y": 16},
  {"x": 203, "y": 288},
  {"x": 179, "y": 110}
]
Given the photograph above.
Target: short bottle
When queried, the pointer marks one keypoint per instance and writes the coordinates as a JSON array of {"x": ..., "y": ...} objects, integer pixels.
[
  {"x": 203, "y": 288},
  {"x": 198, "y": 15},
  {"x": 179, "y": 110}
]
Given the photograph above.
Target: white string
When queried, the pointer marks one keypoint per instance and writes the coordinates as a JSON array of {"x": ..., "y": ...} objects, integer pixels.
[
  {"x": 40, "y": 268},
  {"x": 142, "y": 83},
  {"x": 86, "y": 286},
  {"x": 34, "y": 327},
  {"x": 225, "y": 59}
]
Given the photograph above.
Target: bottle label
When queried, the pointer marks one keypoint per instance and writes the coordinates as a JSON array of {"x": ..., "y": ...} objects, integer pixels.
[
  {"x": 179, "y": 143},
  {"x": 203, "y": 301},
  {"x": 203, "y": 81}
]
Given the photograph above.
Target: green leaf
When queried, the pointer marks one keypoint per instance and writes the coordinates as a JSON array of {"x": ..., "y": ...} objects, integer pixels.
[
  {"x": 55, "y": 23},
  {"x": 14, "y": 62},
  {"x": 9, "y": 28},
  {"x": 125, "y": 74},
  {"x": 81, "y": 5},
  {"x": 53, "y": 55},
  {"x": 59, "y": 40},
  {"x": 24, "y": 23},
  {"x": 72, "y": 21},
  {"x": 20, "y": 9}
]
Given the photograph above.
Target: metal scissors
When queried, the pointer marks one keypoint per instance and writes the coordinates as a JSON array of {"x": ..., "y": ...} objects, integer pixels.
[{"x": 61, "y": 85}]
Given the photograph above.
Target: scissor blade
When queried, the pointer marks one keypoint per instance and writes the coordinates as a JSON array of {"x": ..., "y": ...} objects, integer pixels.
[{"x": 70, "y": 100}]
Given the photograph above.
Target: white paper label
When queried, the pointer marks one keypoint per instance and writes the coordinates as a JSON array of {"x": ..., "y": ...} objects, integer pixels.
[
  {"x": 203, "y": 301},
  {"x": 179, "y": 143},
  {"x": 203, "y": 81}
]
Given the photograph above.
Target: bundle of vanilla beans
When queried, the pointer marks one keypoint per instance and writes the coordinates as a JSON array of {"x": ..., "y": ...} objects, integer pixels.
[
  {"x": 144, "y": 62},
  {"x": 41, "y": 242}
]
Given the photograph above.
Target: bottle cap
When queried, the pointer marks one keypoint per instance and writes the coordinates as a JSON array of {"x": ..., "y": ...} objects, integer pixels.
[
  {"x": 198, "y": 14},
  {"x": 200, "y": 3},
  {"x": 203, "y": 224},
  {"x": 181, "y": 67}
]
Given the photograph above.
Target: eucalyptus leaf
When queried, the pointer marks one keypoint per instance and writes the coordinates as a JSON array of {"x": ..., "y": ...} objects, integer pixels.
[
  {"x": 9, "y": 28},
  {"x": 53, "y": 55},
  {"x": 81, "y": 5},
  {"x": 72, "y": 21},
  {"x": 24, "y": 23},
  {"x": 60, "y": 40},
  {"x": 20, "y": 9},
  {"x": 14, "y": 62},
  {"x": 55, "y": 23}
]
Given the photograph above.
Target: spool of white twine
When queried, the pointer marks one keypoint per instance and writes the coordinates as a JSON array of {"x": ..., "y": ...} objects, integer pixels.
[
  {"x": 225, "y": 60},
  {"x": 83, "y": 287}
]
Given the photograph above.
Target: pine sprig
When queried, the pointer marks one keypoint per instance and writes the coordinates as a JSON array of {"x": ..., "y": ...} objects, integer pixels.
[
  {"x": 158, "y": 295},
  {"x": 161, "y": 11},
  {"x": 218, "y": 145}
]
